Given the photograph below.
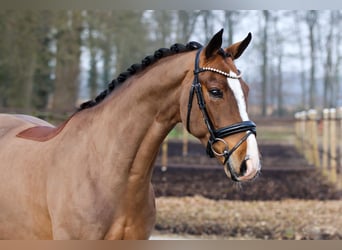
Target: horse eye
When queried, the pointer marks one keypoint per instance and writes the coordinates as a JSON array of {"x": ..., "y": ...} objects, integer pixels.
[{"x": 216, "y": 93}]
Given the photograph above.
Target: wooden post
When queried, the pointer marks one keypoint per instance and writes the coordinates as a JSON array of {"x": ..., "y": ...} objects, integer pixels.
[
  {"x": 303, "y": 132},
  {"x": 313, "y": 140},
  {"x": 333, "y": 155},
  {"x": 164, "y": 154},
  {"x": 185, "y": 141},
  {"x": 325, "y": 145},
  {"x": 298, "y": 131},
  {"x": 307, "y": 141}
]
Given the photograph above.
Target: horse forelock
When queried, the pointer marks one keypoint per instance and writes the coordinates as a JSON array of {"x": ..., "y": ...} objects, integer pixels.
[{"x": 136, "y": 68}]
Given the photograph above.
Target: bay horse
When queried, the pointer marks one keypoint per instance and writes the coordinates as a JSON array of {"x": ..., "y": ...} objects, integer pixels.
[{"x": 90, "y": 177}]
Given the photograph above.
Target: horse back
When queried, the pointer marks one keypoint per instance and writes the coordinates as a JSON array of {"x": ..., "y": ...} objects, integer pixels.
[
  {"x": 12, "y": 124},
  {"x": 35, "y": 129}
]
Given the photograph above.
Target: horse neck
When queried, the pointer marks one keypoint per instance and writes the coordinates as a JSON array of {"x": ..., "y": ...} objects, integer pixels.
[{"x": 130, "y": 124}]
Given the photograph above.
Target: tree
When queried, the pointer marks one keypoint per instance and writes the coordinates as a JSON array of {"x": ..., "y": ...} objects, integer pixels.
[
  {"x": 279, "y": 54},
  {"x": 105, "y": 27},
  {"x": 69, "y": 26},
  {"x": 3, "y": 59},
  {"x": 231, "y": 19},
  {"x": 19, "y": 52},
  {"x": 163, "y": 27},
  {"x": 332, "y": 61},
  {"x": 298, "y": 19},
  {"x": 130, "y": 38},
  {"x": 328, "y": 69},
  {"x": 91, "y": 42},
  {"x": 264, "y": 67},
  {"x": 338, "y": 53},
  {"x": 42, "y": 81},
  {"x": 311, "y": 21},
  {"x": 186, "y": 24},
  {"x": 208, "y": 23}
]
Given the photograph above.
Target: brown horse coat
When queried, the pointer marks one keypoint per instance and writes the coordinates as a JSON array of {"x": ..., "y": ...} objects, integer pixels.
[{"x": 91, "y": 177}]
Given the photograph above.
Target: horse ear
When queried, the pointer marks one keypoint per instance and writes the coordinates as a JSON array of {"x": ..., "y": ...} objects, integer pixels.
[
  {"x": 238, "y": 48},
  {"x": 214, "y": 45}
]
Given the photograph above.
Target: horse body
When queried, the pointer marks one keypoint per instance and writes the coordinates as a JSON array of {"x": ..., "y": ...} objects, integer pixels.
[
  {"x": 21, "y": 183},
  {"x": 91, "y": 177},
  {"x": 109, "y": 195}
]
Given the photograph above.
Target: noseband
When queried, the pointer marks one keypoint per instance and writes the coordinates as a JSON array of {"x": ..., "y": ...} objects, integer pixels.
[{"x": 217, "y": 135}]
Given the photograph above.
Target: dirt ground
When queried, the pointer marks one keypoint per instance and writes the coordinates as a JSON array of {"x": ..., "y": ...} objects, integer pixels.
[
  {"x": 226, "y": 219},
  {"x": 284, "y": 175},
  {"x": 289, "y": 200}
]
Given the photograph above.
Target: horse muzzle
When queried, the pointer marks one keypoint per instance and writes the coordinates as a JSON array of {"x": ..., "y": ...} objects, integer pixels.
[
  {"x": 249, "y": 167},
  {"x": 249, "y": 170}
]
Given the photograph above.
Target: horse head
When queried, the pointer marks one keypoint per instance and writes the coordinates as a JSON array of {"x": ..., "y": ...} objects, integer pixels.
[{"x": 219, "y": 115}]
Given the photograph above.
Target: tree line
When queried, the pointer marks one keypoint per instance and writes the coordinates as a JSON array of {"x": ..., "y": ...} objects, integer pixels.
[{"x": 47, "y": 58}]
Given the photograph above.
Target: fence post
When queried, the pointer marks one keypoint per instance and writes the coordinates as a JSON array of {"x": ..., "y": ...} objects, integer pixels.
[
  {"x": 185, "y": 142},
  {"x": 298, "y": 131},
  {"x": 314, "y": 155},
  {"x": 308, "y": 138},
  {"x": 164, "y": 154},
  {"x": 325, "y": 146},
  {"x": 303, "y": 132},
  {"x": 333, "y": 156}
]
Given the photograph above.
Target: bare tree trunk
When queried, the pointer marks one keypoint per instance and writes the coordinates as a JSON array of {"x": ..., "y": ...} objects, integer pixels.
[
  {"x": 68, "y": 61},
  {"x": 231, "y": 19},
  {"x": 42, "y": 82},
  {"x": 93, "y": 74},
  {"x": 280, "y": 94},
  {"x": 106, "y": 45},
  {"x": 278, "y": 52},
  {"x": 311, "y": 20},
  {"x": 228, "y": 14},
  {"x": 208, "y": 24},
  {"x": 187, "y": 21},
  {"x": 301, "y": 56},
  {"x": 328, "y": 74},
  {"x": 163, "y": 18},
  {"x": 29, "y": 83},
  {"x": 264, "y": 67},
  {"x": 130, "y": 38},
  {"x": 338, "y": 53}
]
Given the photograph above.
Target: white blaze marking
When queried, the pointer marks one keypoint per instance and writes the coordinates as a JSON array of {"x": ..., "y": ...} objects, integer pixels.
[
  {"x": 235, "y": 86},
  {"x": 252, "y": 146}
]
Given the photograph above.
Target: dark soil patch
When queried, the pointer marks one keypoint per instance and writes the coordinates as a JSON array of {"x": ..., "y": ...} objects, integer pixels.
[{"x": 285, "y": 175}]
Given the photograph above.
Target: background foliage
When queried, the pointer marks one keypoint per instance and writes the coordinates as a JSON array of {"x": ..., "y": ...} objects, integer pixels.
[{"x": 51, "y": 60}]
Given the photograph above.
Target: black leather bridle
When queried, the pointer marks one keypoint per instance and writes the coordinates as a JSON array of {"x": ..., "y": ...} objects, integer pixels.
[{"x": 217, "y": 135}]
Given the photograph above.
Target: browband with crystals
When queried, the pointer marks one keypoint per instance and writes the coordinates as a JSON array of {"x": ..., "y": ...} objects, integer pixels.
[{"x": 219, "y": 72}]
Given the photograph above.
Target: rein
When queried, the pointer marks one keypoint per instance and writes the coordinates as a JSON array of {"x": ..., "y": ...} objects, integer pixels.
[{"x": 217, "y": 135}]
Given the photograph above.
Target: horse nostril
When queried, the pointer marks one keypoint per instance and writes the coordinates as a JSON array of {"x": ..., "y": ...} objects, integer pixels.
[{"x": 243, "y": 168}]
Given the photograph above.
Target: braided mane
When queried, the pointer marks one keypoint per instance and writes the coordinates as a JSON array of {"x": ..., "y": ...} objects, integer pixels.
[{"x": 136, "y": 68}]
